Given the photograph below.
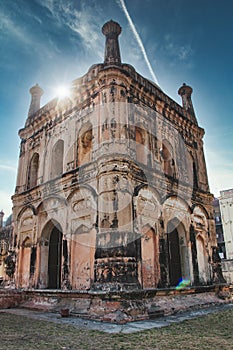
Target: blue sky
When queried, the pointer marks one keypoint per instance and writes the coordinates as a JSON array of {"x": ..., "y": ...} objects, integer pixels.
[{"x": 53, "y": 42}]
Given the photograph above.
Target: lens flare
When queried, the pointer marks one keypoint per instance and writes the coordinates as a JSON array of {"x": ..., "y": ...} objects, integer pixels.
[{"x": 182, "y": 284}]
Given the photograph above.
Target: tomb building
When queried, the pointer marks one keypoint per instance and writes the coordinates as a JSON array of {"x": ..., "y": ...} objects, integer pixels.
[{"x": 112, "y": 190}]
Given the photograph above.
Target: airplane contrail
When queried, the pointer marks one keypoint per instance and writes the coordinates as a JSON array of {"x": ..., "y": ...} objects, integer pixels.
[{"x": 134, "y": 30}]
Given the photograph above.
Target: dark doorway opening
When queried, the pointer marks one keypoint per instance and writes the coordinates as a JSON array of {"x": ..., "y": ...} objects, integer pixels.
[
  {"x": 54, "y": 262},
  {"x": 175, "y": 273}
]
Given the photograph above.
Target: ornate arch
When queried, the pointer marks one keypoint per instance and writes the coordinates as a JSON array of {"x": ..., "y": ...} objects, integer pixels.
[
  {"x": 55, "y": 198},
  {"x": 29, "y": 206}
]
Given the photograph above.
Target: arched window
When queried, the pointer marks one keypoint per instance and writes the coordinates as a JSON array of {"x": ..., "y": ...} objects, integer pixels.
[
  {"x": 139, "y": 135},
  {"x": 57, "y": 159},
  {"x": 154, "y": 146},
  {"x": 168, "y": 161},
  {"x": 113, "y": 127},
  {"x": 192, "y": 171},
  {"x": 140, "y": 138},
  {"x": 85, "y": 145},
  {"x": 33, "y": 171},
  {"x": 195, "y": 177},
  {"x": 105, "y": 131}
]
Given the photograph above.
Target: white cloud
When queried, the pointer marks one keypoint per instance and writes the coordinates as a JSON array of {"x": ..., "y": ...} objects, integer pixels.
[
  {"x": 7, "y": 168},
  {"x": 175, "y": 50},
  {"x": 85, "y": 22},
  {"x": 184, "y": 52},
  {"x": 11, "y": 28},
  {"x": 47, "y": 4}
]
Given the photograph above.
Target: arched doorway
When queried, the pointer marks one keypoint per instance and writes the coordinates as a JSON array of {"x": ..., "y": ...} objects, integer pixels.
[
  {"x": 50, "y": 256},
  {"x": 174, "y": 260},
  {"x": 54, "y": 259}
]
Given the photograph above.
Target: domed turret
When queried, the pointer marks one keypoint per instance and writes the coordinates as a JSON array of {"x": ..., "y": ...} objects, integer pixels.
[
  {"x": 36, "y": 93},
  {"x": 185, "y": 92},
  {"x": 112, "y": 30}
]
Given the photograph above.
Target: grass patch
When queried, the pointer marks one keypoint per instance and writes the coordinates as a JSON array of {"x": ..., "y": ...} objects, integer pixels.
[{"x": 208, "y": 332}]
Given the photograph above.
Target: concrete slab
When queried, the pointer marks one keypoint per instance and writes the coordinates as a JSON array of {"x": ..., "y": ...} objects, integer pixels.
[{"x": 130, "y": 327}]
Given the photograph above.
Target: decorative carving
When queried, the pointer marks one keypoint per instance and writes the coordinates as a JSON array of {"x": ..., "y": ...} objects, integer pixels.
[{"x": 27, "y": 221}]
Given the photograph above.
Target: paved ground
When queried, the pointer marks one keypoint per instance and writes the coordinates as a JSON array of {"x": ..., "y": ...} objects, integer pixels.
[{"x": 130, "y": 327}]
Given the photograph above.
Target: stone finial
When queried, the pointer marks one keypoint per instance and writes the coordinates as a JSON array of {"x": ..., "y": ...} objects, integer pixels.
[
  {"x": 1, "y": 218},
  {"x": 36, "y": 93},
  {"x": 185, "y": 92},
  {"x": 112, "y": 30}
]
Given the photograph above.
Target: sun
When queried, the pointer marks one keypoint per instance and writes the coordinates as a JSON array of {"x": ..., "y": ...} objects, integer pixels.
[{"x": 63, "y": 91}]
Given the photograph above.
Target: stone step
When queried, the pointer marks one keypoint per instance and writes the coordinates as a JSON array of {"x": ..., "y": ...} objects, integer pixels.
[{"x": 155, "y": 311}]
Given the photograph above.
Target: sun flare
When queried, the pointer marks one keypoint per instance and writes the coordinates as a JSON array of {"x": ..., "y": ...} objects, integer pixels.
[{"x": 63, "y": 91}]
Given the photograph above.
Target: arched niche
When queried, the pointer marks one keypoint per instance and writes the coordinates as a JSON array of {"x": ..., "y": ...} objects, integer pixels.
[
  {"x": 33, "y": 171},
  {"x": 83, "y": 246},
  {"x": 84, "y": 144},
  {"x": 192, "y": 170},
  {"x": 202, "y": 260},
  {"x": 153, "y": 145},
  {"x": 113, "y": 128},
  {"x": 200, "y": 219},
  {"x": 201, "y": 227},
  {"x": 24, "y": 262},
  {"x": 82, "y": 220},
  {"x": 25, "y": 221},
  {"x": 57, "y": 159},
  {"x": 141, "y": 144},
  {"x": 147, "y": 208},
  {"x": 105, "y": 131},
  {"x": 83, "y": 208},
  {"x": 150, "y": 269},
  {"x": 24, "y": 231}
]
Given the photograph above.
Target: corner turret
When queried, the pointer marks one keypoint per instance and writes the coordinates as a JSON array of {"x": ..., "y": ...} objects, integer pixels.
[
  {"x": 1, "y": 218},
  {"x": 112, "y": 55},
  {"x": 36, "y": 93},
  {"x": 185, "y": 92}
]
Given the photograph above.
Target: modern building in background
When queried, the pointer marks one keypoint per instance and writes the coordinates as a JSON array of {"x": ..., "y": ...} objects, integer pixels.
[
  {"x": 112, "y": 190},
  {"x": 226, "y": 207},
  {"x": 223, "y": 215},
  {"x": 219, "y": 229}
]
